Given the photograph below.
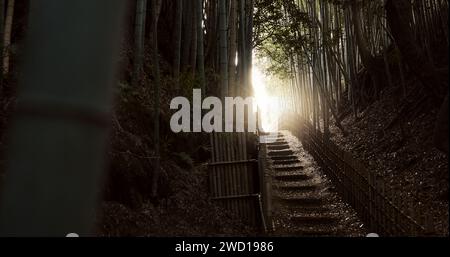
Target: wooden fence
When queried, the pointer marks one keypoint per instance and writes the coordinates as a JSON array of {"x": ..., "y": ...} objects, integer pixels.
[
  {"x": 234, "y": 175},
  {"x": 380, "y": 208}
]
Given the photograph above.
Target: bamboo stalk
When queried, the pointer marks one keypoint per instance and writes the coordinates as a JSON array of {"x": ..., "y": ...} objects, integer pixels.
[
  {"x": 40, "y": 174},
  {"x": 7, "y": 35}
]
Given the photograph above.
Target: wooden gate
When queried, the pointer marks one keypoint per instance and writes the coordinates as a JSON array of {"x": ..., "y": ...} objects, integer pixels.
[{"x": 233, "y": 178}]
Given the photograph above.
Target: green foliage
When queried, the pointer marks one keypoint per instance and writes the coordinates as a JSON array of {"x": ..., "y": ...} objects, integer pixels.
[
  {"x": 281, "y": 30},
  {"x": 275, "y": 57}
]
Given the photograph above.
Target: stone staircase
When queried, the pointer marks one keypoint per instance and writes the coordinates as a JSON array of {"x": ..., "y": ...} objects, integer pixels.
[{"x": 302, "y": 206}]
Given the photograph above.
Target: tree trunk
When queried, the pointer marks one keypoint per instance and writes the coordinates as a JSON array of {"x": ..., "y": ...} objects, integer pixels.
[
  {"x": 233, "y": 48},
  {"x": 242, "y": 50},
  {"x": 194, "y": 43},
  {"x": 2, "y": 33},
  {"x": 156, "y": 8},
  {"x": 7, "y": 35},
  {"x": 211, "y": 34},
  {"x": 366, "y": 56},
  {"x": 139, "y": 35},
  {"x": 177, "y": 38},
  {"x": 223, "y": 48},
  {"x": 200, "y": 46},
  {"x": 188, "y": 12},
  {"x": 249, "y": 47},
  {"x": 399, "y": 19},
  {"x": 59, "y": 136}
]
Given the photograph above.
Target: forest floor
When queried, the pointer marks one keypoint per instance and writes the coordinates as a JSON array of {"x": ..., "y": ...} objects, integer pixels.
[
  {"x": 187, "y": 212},
  {"x": 403, "y": 154}
]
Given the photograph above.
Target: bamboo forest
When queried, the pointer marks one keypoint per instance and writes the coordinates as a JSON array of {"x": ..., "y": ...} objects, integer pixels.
[{"x": 224, "y": 118}]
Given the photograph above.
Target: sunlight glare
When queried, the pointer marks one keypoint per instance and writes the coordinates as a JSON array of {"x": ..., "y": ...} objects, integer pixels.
[{"x": 267, "y": 104}]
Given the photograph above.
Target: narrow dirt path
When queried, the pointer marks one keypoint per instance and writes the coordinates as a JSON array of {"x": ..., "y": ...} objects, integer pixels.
[{"x": 304, "y": 200}]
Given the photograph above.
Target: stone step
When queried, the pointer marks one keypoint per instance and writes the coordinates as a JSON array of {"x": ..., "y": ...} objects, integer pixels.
[
  {"x": 298, "y": 188},
  {"x": 275, "y": 140},
  {"x": 281, "y": 141},
  {"x": 286, "y": 162},
  {"x": 301, "y": 200},
  {"x": 271, "y": 133},
  {"x": 281, "y": 153},
  {"x": 278, "y": 142},
  {"x": 284, "y": 158},
  {"x": 316, "y": 232},
  {"x": 289, "y": 168},
  {"x": 311, "y": 219},
  {"x": 278, "y": 147},
  {"x": 274, "y": 135},
  {"x": 308, "y": 209},
  {"x": 292, "y": 177}
]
